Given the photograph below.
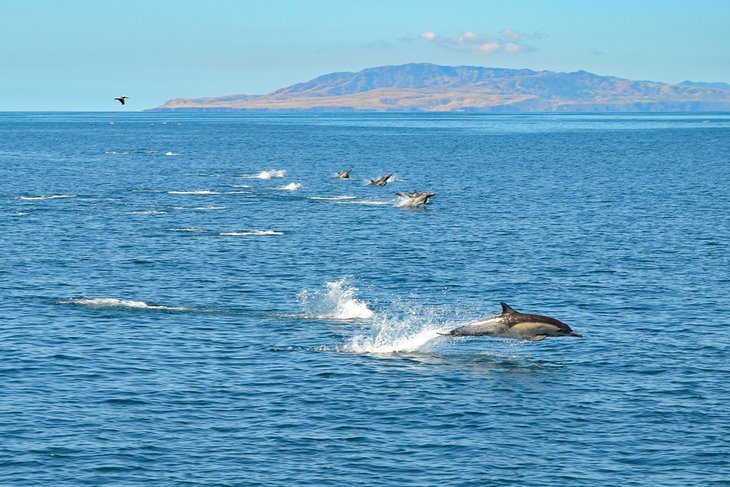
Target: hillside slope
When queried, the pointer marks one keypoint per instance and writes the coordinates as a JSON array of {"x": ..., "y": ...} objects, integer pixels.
[{"x": 433, "y": 88}]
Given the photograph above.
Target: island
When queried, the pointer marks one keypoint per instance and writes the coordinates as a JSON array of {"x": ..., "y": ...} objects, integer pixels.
[{"x": 424, "y": 87}]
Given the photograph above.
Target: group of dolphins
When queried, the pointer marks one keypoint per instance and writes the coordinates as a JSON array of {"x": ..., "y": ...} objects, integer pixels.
[
  {"x": 412, "y": 199},
  {"x": 509, "y": 323}
]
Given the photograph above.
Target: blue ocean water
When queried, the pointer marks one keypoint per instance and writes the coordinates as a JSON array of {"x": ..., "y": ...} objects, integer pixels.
[{"x": 194, "y": 299}]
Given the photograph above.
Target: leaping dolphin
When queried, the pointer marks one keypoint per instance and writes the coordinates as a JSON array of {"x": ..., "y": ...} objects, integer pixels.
[
  {"x": 513, "y": 324},
  {"x": 381, "y": 181},
  {"x": 415, "y": 198},
  {"x": 344, "y": 174}
]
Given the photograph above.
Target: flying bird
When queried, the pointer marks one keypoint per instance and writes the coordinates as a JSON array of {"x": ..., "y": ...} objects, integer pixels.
[{"x": 121, "y": 99}]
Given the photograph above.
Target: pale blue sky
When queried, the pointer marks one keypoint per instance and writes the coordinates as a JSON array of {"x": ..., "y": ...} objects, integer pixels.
[{"x": 80, "y": 54}]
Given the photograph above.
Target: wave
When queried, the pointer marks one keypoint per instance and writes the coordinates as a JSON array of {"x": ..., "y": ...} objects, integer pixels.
[
  {"x": 189, "y": 230},
  {"x": 269, "y": 174},
  {"x": 106, "y": 303},
  {"x": 331, "y": 198},
  {"x": 259, "y": 233},
  {"x": 364, "y": 202},
  {"x": 148, "y": 212},
  {"x": 199, "y": 191},
  {"x": 335, "y": 300},
  {"x": 199, "y": 208},
  {"x": 49, "y": 197}
]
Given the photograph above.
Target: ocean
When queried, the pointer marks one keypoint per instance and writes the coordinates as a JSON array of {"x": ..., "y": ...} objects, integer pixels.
[{"x": 195, "y": 300}]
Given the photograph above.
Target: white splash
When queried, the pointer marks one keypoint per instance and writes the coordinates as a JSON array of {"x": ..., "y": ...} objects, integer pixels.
[
  {"x": 269, "y": 174},
  {"x": 396, "y": 333},
  {"x": 290, "y": 187},
  {"x": 50, "y": 197},
  {"x": 170, "y": 153},
  {"x": 404, "y": 202},
  {"x": 335, "y": 301},
  {"x": 404, "y": 327},
  {"x": 386, "y": 340},
  {"x": 258, "y": 233},
  {"x": 119, "y": 303}
]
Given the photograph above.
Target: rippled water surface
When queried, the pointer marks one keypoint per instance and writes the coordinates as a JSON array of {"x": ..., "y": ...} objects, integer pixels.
[{"x": 196, "y": 300}]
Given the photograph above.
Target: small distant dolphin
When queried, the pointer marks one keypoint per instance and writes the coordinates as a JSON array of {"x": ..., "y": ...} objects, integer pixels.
[
  {"x": 121, "y": 99},
  {"x": 513, "y": 324},
  {"x": 381, "y": 181},
  {"x": 415, "y": 198},
  {"x": 344, "y": 174}
]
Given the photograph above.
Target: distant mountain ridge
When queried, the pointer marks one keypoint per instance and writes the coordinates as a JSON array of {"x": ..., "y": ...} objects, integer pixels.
[
  {"x": 434, "y": 88},
  {"x": 702, "y": 84}
]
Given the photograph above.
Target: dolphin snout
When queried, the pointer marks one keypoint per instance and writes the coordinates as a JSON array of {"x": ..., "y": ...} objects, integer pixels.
[{"x": 575, "y": 334}]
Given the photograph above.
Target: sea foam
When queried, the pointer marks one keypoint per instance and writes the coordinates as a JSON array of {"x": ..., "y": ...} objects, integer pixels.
[
  {"x": 259, "y": 233},
  {"x": 103, "y": 303},
  {"x": 364, "y": 202},
  {"x": 199, "y": 208},
  {"x": 331, "y": 198},
  {"x": 268, "y": 174},
  {"x": 49, "y": 197}
]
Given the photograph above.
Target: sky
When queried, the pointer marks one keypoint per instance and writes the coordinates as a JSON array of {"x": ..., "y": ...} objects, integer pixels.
[{"x": 77, "y": 55}]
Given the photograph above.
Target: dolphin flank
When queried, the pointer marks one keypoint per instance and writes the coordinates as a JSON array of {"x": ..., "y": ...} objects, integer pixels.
[
  {"x": 415, "y": 198},
  {"x": 381, "y": 181},
  {"x": 513, "y": 324}
]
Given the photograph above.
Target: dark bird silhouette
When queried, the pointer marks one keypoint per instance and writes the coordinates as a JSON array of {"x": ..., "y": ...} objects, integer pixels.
[{"x": 121, "y": 99}]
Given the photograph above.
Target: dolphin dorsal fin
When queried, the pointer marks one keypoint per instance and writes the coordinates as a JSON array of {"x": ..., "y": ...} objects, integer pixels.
[{"x": 507, "y": 309}]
